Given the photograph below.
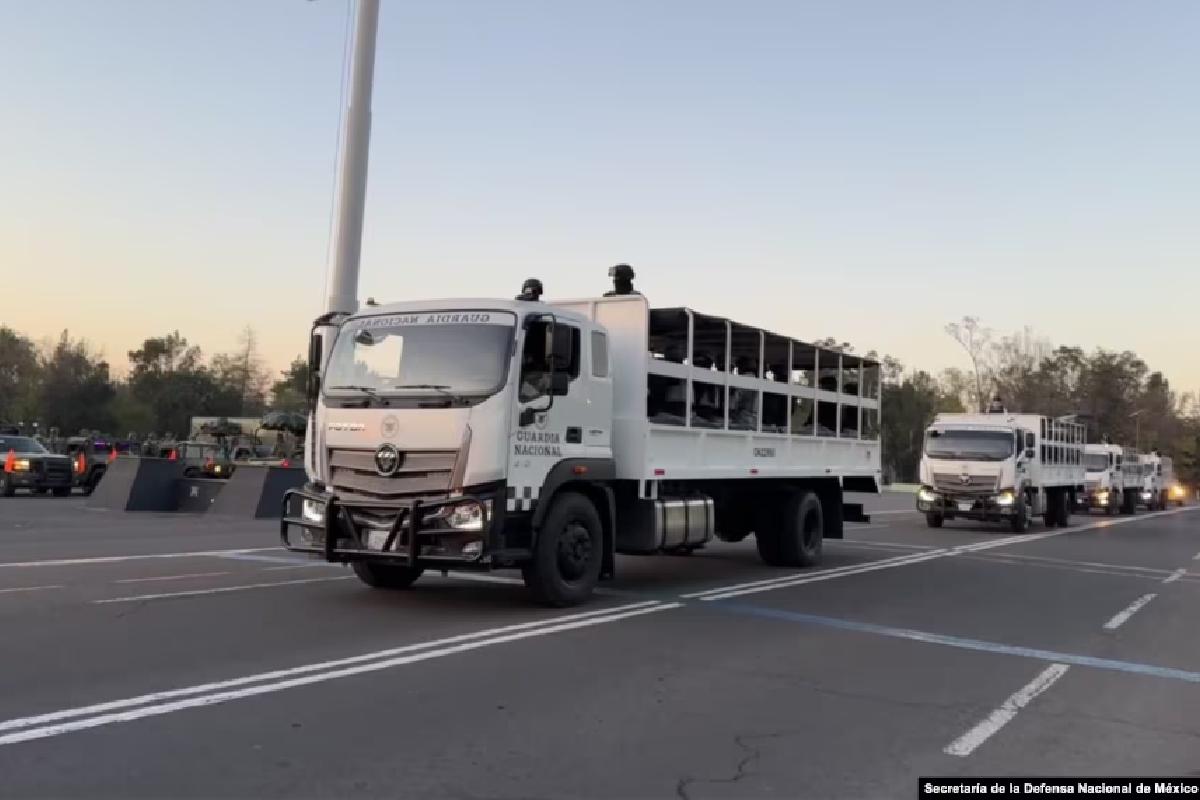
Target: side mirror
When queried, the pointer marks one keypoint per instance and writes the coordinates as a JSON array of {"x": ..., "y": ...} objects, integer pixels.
[
  {"x": 560, "y": 383},
  {"x": 1030, "y": 453},
  {"x": 561, "y": 347},
  {"x": 1030, "y": 441}
]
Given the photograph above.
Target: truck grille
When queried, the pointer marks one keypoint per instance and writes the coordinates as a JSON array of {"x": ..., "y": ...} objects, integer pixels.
[
  {"x": 421, "y": 472},
  {"x": 56, "y": 470},
  {"x": 976, "y": 484}
]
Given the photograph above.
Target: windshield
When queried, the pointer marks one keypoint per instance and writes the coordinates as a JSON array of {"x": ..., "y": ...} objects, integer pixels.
[
  {"x": 1095, "y": 462},
  {"x": 459, "y": 353},
  {"x": 966, "y": 445},
  {"x": 20, "y": 444}
]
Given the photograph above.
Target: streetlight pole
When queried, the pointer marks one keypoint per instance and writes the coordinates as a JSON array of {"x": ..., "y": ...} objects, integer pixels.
[
  {"x": 1137, "y": 428},
  {"x": 342, "y": 294}
]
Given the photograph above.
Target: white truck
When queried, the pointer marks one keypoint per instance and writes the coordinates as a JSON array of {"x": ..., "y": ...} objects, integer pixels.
[
  {"x": 1114, "y": 479},
  {"x": 489, "y": 433},
  {"x": 1001, "y": 467},
  {"x": 1158, "y": 481}
]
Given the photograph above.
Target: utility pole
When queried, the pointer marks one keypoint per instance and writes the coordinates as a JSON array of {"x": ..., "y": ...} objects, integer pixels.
[{"x": 342, "y": 285}]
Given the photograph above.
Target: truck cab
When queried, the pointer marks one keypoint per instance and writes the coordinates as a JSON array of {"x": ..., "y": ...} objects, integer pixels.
[
  {"x": 1158, "y": 480},
  {"x": 440, "y": 424},
  {"x": 1000, "y": 467},
  {"x": 1113, "y": 481}
]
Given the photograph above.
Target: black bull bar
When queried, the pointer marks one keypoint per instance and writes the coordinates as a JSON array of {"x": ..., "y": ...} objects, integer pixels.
[{"x": 402, "y": 543}]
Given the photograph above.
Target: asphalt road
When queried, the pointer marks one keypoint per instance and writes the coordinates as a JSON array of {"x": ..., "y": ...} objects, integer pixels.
[{"x": 147, "y": 655}]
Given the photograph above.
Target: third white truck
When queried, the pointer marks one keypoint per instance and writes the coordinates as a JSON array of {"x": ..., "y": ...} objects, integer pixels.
[{"x": 1114, "y": 479}]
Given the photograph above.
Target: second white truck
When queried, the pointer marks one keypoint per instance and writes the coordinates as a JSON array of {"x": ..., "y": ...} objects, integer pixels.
[{"x": 1001, "y": 467}]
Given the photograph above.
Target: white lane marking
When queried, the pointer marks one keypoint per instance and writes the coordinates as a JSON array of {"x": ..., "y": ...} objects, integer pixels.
[
  {"x": 796, "y": 579},
  {"x": 966, "y": 744},
  {"x": 28, "y": 589},
  {"x": 67, "y": 562},
  {"x": 172, "y": 577},
  {"x": 219, "y": 590},
  {"x": 1133, "y": 608},
  {"x": 825, "y": 576},
  {"x": 156, "y": 697},
  {"x": 893, "y": 511},
  {"x": 485, "y": 578},
  {"x": 999, "y": 559},
  {"x": 314, "y": 564},
  {"x": 873, "y": 526},
  {"x": 899, "y": 545},
  {"x": 1128, "y": 567},
  {"x": 325, "y": 674},
  {"x": 794, "y": 576},
  {"x": 1174, "y": 576},
  {"x": 1196, "y": 557}
]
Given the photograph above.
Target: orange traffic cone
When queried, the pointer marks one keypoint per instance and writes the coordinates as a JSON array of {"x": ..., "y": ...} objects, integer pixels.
[
  {"x": 112, "y": 454},
  {"x": 173, "y": 456},
  {"x": 10, "y": 463},
  {"x": 80, "y": 464}
]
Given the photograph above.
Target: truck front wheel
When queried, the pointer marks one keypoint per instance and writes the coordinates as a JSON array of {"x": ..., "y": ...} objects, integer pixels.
[
  {"x": 386, "y": 576},
  {"x": 568, "y": 554},
  {"x": 1019, "y": 521},
  {"x": 934, "y": 520}
]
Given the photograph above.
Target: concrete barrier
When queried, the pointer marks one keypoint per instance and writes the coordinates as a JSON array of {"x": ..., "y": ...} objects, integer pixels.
[
  {"x": 196, "y": 495},
  {"x": 132, "y": 483},
  {"x": 255, "y": 491}
]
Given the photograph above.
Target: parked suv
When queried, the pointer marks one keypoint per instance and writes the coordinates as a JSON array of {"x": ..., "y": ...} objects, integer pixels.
[{"x": 29, "y": 465}]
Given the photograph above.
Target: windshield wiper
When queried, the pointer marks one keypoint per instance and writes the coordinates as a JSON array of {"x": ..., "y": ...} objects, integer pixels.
[
  {"x": 441, "y": 388},
  {"x": 367, "y": 390}
]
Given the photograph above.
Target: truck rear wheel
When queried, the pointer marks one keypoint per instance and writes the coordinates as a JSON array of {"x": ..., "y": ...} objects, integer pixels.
[
  {"x": 934, "y": 520},
  {"x": 6, "y": 486},
  {"x": 568, "y": 554},
  {"x": 1129, "y": 506},
  {"x": 386, "y": 576},
  {"x": 795, "y": 540},
  {"x": 1053, "y": 507}
]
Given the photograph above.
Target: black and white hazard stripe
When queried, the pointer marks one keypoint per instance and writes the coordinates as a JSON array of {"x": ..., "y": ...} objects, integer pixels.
[{"x": 522, "y": 498}]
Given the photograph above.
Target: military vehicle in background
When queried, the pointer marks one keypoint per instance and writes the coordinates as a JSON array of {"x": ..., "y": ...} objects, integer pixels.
[{"x": 29, "y": 465}]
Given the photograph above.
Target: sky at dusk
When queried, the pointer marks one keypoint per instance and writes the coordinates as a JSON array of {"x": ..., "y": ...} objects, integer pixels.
[{"x": 863, "y": 170}]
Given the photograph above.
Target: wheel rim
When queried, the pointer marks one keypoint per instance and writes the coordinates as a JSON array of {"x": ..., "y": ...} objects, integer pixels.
[
  {"x": 574, "y": 550},
  {"x": 811, "y": 530}
]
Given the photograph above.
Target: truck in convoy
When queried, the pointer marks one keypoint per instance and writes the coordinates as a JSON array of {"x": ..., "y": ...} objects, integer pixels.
[
  {"x": 1114, "y": 479},
  {"x": 491, "y": 433},
  {"x": 1001, "y": 467},
  {"x": 1158, "y": 478}
]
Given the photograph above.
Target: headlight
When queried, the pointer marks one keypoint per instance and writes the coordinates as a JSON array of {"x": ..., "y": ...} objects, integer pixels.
[
  {"x": 313, "y": 511},
  {"x": 1176, "y": 491},
  {"x": 926, "y": 495},
  {"x": 21, "y": 465},
  {"x": 1101, "y": 497},
  {"x": 1005, "y": 498},
  {"x": 467, "y": 516}
]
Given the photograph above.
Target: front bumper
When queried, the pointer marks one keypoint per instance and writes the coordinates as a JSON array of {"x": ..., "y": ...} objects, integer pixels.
[
  {"x": 949, "y": 505},
  {"x": 36, "y": 479},
  {"x": 351, "y": 531}
]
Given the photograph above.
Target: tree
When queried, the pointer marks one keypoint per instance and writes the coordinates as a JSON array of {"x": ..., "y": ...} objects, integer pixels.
[
  {"x": 76, "y": 389},
  {"x": 241, "y": 375},
  {"x": 168, "y": 377},
  {"x": 974, "y": 339},
  {"x": 20, "y": 377},
  {"x": 290, "y": 393},
  {"x": 908, "y": 406}
]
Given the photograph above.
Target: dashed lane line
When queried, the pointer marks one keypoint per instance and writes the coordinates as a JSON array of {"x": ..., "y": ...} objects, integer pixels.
[{"x": 967, "y": 743}]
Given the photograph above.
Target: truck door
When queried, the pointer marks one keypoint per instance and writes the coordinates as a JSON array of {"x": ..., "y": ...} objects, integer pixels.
[
  {"x": 597, "y": 420},
  {"x": 549, "y": 420}
]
